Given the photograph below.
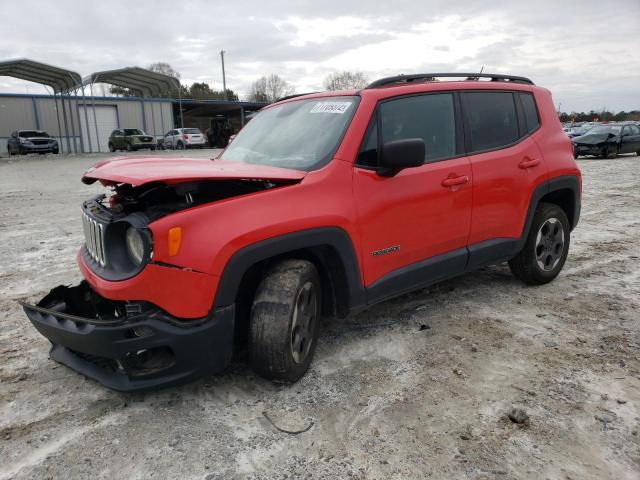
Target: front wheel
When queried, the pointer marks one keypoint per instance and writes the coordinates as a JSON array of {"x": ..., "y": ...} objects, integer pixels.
[
  {"x": 546, "y": 247},
  {"x": 111, "y": 147},
  {"x": 285, "y": 317},
  {"x": 611, "y": 152}
]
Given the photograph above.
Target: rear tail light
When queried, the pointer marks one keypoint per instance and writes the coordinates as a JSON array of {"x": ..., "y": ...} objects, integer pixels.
[{"x": 185, "y": 136}]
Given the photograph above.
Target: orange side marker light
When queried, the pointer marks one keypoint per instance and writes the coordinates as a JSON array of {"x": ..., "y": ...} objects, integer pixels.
[{"x": 174, "y": 241}]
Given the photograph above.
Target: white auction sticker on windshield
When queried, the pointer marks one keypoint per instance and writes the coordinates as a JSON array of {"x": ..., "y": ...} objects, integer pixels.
[{"x": 330, "y": 107}]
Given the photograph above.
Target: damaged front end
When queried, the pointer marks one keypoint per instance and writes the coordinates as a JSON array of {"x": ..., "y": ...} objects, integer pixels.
[
  {"x": 143, "y": 316},
  {"x": 130, "y": 345}
]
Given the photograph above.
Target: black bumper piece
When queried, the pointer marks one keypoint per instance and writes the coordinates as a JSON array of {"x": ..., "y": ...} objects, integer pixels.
[{"x": 133, "y": 345}]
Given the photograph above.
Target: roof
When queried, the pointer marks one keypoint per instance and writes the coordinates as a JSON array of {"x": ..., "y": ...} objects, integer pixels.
[
  {"x": 140, "y": 80},
  {"x": 59, "y": 79}
]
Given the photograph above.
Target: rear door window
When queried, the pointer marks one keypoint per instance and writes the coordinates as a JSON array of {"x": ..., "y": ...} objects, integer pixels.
[{"x": 491, "y": 120}]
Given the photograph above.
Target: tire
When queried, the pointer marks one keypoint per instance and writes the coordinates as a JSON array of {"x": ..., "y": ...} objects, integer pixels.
[
  {"x": 611, "y": 152},
  {"x": 111, "y": 147},
  {"x": 179, "y": 146},
  {"x": 129, "y": 147},
  {"x": 288, "y": 298},
  {"x": 152, "y": 149},
  {"x": 546, "y": 248},
  {"x": 9, "y": 151},
  {"x": 55, "y": 151}
]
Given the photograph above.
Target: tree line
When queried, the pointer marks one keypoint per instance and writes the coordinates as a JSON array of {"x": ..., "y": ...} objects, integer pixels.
[
  {"x": 602, "y": 116},
  {"x": 268, "y": 88}
]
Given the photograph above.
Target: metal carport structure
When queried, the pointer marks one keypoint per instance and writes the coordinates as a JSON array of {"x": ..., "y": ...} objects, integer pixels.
[
  {"x": 143, "y": 82},
  {"x": 60, "y": 80}
]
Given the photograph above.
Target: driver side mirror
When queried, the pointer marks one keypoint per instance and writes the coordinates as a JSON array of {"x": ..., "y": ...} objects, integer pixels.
[{"x": 400, "y": 154}]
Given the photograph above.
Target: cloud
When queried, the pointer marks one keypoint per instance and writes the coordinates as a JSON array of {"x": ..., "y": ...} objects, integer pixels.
[{"x": 583, "y": 51}]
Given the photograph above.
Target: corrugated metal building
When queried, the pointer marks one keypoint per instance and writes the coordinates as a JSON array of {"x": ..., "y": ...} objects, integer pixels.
[{"x": 39, "y": 112}]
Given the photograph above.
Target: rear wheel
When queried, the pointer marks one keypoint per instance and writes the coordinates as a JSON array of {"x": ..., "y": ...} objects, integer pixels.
[
  {"x": 546, "y": 248},
  {"x": 111, "y": 147},
  {"x": 129, "y": 147},
  {"x": 180, "y": 146},
  {"x": 285, "y": 317}
]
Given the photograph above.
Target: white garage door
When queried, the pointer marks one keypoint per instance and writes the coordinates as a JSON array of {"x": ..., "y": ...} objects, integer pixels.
[{"x": 106, "y": 118}]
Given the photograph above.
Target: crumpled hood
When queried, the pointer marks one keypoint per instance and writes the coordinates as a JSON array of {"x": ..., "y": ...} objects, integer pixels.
[
  {"x": 593, "y": 139},
  {"x": 140, "y": 170}
]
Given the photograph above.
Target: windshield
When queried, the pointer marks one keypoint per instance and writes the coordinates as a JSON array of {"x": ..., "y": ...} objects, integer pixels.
[
  {"x": 302, "y": 135},
  {"x": 605, "y": 129},
  {"x": 195, "y": 131},
  {"x": 33, "y": 133},
  {"x": 133, "y": 131}
]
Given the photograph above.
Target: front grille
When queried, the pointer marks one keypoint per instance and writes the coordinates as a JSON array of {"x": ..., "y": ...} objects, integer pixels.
[
  {"x": 94, "y": 239},
  {"x": 40, "y": 142}
]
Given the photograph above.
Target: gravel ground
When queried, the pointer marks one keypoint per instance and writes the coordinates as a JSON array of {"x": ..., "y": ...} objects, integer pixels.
[{"x": 417, "y": 387}]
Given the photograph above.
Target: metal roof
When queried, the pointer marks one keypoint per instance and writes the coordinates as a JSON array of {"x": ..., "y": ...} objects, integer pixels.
[
  {"x": 57, "y": 78},
  {"x": 139, "y": 80}
]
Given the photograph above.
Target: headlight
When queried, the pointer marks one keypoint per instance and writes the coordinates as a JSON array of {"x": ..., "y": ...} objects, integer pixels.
[{"x": 135, "y": 245}]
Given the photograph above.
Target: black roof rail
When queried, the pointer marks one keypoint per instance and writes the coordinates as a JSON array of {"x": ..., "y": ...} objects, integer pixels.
[
  {"x": 430, "y": 77},
  {"x": 288, "y": 97}
]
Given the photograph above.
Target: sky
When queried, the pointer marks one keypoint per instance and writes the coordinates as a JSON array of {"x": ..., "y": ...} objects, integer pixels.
[{"x": 586, "y": 52}]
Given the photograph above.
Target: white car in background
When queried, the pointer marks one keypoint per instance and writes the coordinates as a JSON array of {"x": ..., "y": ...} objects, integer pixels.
[{"x": 181, "y": 138}]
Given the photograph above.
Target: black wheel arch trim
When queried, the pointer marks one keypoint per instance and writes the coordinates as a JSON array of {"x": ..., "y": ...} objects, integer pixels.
[
  {"x": 565, "y": 182},
  {"x": 333, "y": 237}
]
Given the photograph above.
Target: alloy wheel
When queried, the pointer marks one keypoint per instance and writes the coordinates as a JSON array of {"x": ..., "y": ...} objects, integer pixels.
[
  {"x": 305, "y": 315},
  {"x": 549, "y": 245}
]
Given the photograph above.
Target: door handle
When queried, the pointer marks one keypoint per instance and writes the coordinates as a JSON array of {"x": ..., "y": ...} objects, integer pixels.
[
  {"x": 453, "y": 181},
  {"x": 529, "y": 163}
]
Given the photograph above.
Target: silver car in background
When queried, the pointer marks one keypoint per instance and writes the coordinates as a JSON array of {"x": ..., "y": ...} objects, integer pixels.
[{"x": 181, "y": 138}]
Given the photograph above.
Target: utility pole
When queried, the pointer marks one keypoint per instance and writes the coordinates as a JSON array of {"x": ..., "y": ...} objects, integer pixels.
[{"x": 224, "y": 79}]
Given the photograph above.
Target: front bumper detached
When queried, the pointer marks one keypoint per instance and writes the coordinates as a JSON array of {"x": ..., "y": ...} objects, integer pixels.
[{"x": 130, "y": 346}]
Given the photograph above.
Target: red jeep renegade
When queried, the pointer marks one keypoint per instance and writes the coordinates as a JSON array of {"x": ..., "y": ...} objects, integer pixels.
[{"x": 324, "y": 204}]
